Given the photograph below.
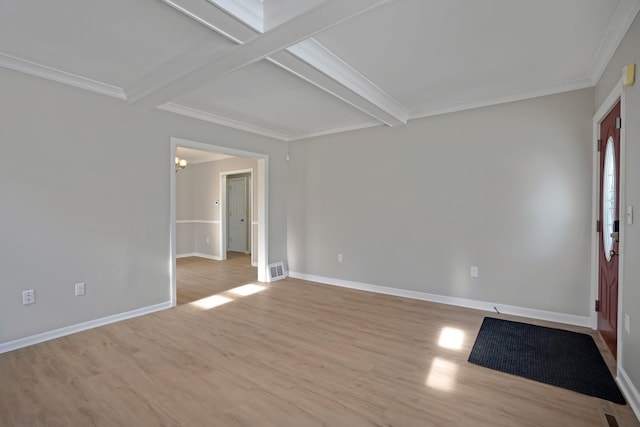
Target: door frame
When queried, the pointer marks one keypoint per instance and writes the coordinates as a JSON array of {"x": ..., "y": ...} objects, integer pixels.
[
  {"x": 224, "y": 229},
  {"x": 262, "y": 175},
  {"x": 616, "y": 94}
]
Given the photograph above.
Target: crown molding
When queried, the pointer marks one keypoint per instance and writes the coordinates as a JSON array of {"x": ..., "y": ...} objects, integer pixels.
[
  {"x": 329, "y": 131},
  {"x": 219, "y": 120},
  {"x": 314, "y": 53},
  {"x": 214, "y": 18},
  {"x": 59, "y": 76},
  {"x": 187, "y": 76},
  {"x": 576, "y": 85},
  {"x": 622, "y": 20},
  {"x": 316, "y": 66},
  {"x": 242, "y": 13}
]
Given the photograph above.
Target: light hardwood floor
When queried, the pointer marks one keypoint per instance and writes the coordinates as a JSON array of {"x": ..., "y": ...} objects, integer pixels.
[{"x": 292, "y": 353}]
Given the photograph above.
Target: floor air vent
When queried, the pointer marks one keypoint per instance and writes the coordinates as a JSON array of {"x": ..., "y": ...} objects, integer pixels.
[{"x": 276, "y": 271}]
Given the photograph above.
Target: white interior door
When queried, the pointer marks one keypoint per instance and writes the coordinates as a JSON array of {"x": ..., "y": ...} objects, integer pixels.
[{"x": 237, "y": 214}]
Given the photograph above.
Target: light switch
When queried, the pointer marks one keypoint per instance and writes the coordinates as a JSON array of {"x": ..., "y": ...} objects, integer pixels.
[{"x": 629, "y": 215}]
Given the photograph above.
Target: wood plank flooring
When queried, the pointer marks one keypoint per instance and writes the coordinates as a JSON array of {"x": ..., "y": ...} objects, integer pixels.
[{"x": 290, "y": 353}]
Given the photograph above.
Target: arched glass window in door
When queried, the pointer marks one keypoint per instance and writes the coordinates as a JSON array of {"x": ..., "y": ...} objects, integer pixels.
[{"x": 609, "y": 198}]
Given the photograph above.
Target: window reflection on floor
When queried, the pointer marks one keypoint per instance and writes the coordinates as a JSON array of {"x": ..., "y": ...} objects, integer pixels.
[
  {"x": 451, "y": 338},
  {"x": 442, "y": 374}
]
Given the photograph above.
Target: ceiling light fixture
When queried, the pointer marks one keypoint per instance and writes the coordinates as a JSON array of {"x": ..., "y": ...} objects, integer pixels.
[{"x": 180, "y": 163}]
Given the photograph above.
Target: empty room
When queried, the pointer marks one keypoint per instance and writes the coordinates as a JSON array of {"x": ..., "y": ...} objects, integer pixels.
[{"x": 320, "y": 212}]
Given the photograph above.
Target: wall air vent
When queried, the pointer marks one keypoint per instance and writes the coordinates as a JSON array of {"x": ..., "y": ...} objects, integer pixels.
[{"x": 276, "y": 271}]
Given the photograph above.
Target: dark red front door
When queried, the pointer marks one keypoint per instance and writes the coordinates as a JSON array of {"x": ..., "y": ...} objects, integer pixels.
[{"x": 609, "y": 228}]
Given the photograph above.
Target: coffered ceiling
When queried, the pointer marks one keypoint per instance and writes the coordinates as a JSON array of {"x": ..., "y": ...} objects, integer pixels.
[{"x": 291, "y": 69}]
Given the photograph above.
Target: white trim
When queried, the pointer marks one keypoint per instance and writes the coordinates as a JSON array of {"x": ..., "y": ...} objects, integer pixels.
[
  {"x": 329, "y": 131},
  {"x": 79, "y": 327},
  {"x": 60, "y": 76},
  {"x": 235, "y": 124},
  {"x": 231, "y": 28},
  {"x": 173, "y": 297},
  {"x": 313, "y": 52},
  {"x": 200, "y": 65},
  {"x": 242, "y": 13},
  {"x": 629, "y": 391},
  {"x": 262, "y": 183},
  {"x": 196, "y": 221},
  {"x": 186, "y": 255},
  {"x": 571, "y": 86},
  {"x": 551, "y": 316},
  {"x": 213, "y": 18},
  {"x": 219, "y": 120},
  {"x": 199, "y": 255},
  {"x": 618, "y": 26}
]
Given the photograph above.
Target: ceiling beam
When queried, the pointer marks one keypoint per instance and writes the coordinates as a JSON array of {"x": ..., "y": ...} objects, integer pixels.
[
  {"x": 335, "y": 76},
  {"x": 199, "y": 66},
  {"x": 311, "y": 62}
]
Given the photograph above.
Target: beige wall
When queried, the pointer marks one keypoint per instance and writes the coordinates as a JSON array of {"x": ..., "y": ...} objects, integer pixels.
[
  {"x": 629, "y": 53},
  {"x": 506, "y": 188},
  {"x": 87, "y": 199}
]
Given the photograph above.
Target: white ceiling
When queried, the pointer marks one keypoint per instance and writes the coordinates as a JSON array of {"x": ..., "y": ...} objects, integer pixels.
[{"x": 291, "y": 69}]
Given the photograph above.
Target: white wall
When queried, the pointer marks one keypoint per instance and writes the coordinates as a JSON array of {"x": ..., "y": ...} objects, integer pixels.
[
  {"x": 87, "y": 197},
  {"x": 197, "y": 190},
  {"x": 629, "y": 53},
  {"x": 506, "y": 188}
]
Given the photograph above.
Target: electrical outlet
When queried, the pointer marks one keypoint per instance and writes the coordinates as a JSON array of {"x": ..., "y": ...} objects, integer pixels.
[
  {"x": 473, "y": 271},
  {"x": 340, "y": 258},
  {"x": 80, "y": 289},
  {"x": 28, "y": 297},
  {"x": 627, "y": 324}
]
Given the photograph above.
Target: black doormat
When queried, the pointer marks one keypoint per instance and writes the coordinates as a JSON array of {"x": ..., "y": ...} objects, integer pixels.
[{"x": 553, "y": 356}]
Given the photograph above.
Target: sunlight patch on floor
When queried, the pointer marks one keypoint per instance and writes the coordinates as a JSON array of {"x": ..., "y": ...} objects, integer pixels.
[
  {"x": 245, "y": 290},
  {"x": 451, "y": 338},
  {"x": 442, "y": 374},
  {"x": 227, "y": 296},
  {"x": 211, "y": 302}
]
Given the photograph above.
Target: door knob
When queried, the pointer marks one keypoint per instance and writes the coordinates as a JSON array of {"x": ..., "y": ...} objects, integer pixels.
[{"x": 613, "y": 253}]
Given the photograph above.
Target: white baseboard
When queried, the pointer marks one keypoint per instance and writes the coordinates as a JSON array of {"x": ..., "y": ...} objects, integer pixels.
[
  {"x": 551, "y": 316},
  {"x": 629, "y": 391},
  {"x": 185, "y": 255},
  {"x": 68, "y": 330},
  {"x": 199, "y": 255},
  {"x": 213, "y": 257}
]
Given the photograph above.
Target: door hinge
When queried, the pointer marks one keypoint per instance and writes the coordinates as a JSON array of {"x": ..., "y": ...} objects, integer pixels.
[
  {"x": 598, "y": 226},
  {"x": 597, "y": 305},
  {"x": 618, "y": 122},
  {"x": 599, "y": 145}
]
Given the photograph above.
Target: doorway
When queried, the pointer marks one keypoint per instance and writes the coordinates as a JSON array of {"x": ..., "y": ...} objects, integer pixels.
[
  {"x": 238, "y": 221},
  {"x": 260, "y": 226},
  {"x": 609, "y": 236},
  {"x": 237, "y": 214},
  {"x": 609, "y": 227}
]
